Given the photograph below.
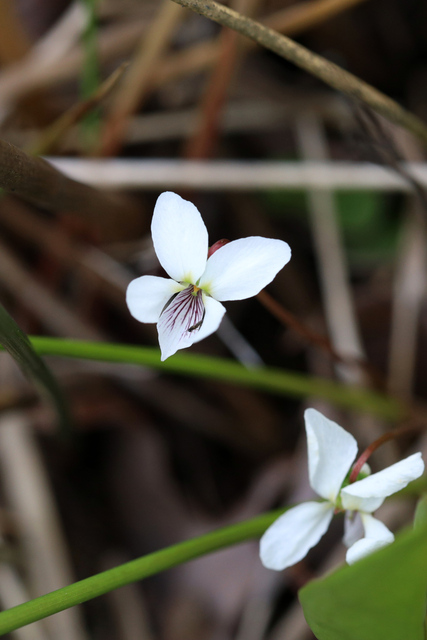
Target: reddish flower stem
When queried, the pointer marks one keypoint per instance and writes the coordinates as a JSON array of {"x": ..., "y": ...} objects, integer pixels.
[
  {"x": 218, "y": 244},
  {"x": 390, "y": 435}
]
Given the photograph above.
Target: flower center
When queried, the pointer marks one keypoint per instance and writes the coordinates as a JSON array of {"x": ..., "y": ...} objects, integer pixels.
[{"x": 184, "y": 311}]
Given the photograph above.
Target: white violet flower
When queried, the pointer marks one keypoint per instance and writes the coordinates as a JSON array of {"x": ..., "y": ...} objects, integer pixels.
[
  {"x": 187, "y": 305},
  {"x": 331, "y": 452}
]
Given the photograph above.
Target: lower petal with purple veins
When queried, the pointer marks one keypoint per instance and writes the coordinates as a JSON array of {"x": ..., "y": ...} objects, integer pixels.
[{"x": 180, "y": 321}]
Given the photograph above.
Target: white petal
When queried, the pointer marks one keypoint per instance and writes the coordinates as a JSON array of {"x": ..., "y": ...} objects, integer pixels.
[
  {"x": 376, "y": 529},
  {"x": 331, "y": 450},
  {"x": 180, "y": 238},
  {"x": 376, "y": 536},
  {"x": 214, "y": 314},
  {"x": 146, "y": 296},
  {"x": 356, "y": 503},
  {"x": 240, "y": 269},
  {"x": 180, "y": 322},
  {"x": 294, "y": 533},
  {"x": 368, "y": 494},
  {"x": 353, "y": 528},
  {"x": 362, "y": 548}
]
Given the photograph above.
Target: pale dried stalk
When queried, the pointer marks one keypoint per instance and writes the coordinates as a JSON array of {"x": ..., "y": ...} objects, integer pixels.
[
  {"x": 46, "y": 66},
  {"x": 335, "y": 282},
  {"x": 231, "y": 175},
  {"x": 314, "y": 64},
  {"x": 138, "y": 77},
  {"x": 339, "y": 308},
  {"x": 21, "y": 77},
  {"x": 409, "y": 288},
  {"x": 237, "y": 117},
  {"x": 27, "y": 489},
  {"x": 13, "y": 592},
  {"x": 409, "y": 293}
]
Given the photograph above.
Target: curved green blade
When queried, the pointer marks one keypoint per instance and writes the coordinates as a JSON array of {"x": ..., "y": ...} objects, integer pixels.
[{"x": 16, "y": 342}]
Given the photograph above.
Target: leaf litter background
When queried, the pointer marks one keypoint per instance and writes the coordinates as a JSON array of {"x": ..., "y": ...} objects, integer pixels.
[{"x": 156, "y": 459}]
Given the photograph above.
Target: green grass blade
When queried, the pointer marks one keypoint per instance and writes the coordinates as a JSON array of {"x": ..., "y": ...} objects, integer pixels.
[
  {"x": 90, "y": 75},
  {"x": 133, "y": 571},
  {"x": 16, "y": 342},
  {"x": 268, "y": 379}
]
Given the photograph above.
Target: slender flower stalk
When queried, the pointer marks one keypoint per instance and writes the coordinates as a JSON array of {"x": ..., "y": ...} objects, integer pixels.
[
  {"x": 187, "y": 306},
  {"x": 331, "y": 452}
]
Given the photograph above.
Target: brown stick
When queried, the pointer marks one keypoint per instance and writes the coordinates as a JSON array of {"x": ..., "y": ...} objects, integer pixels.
[
  {"x": 36, "y": 181},
  {"x": 57, "y": 130},
  {"x": 201, "y": 144},
  {"x": 322, "y": 342},
  {"x": 14, "y": 42},
  {"x": 318, "y": 66}
]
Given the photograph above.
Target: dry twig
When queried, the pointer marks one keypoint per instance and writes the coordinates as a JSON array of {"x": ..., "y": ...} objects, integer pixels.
[
  {"x": 14, "y": 42},
  {"x": 27, "y": 488},
  {"x": 122, "y": 173},
  {"x": 316, "y": 65},
  {"x": 201, "y": 143},
  {"x": 55, "y": 132}
]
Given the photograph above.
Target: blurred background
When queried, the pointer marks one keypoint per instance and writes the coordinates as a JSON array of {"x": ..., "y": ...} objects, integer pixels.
[{"x": 135, "y": 97}]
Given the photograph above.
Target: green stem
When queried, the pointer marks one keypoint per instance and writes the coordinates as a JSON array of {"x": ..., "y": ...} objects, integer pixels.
[
  {"x": 133, "y": 571},
  {"x": 268, "y": 379},
  {"x": 90, "y": 72}
]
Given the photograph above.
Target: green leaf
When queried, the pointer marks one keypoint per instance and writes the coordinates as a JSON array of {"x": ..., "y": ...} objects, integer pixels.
[
  {"x": 16, "y": 342},
  {"x": 420, "y": 519},
  {"x": 370, "y": 232},
  {"x": 381, "y": 596}
]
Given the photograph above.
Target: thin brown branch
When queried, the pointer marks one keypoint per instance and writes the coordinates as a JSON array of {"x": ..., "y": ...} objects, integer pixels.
[
  {"x": 386, "y": 437},
  {"x": 202, "y": 142},
  {"x": 305, "y": 15},
  {"x": 14, "y": 41},
  {"x": 322, "y": 342},
  {"x": 330, "y": 73},
  {"x": 291, "y": 21},
  {"x": 56, "y": 131}
]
